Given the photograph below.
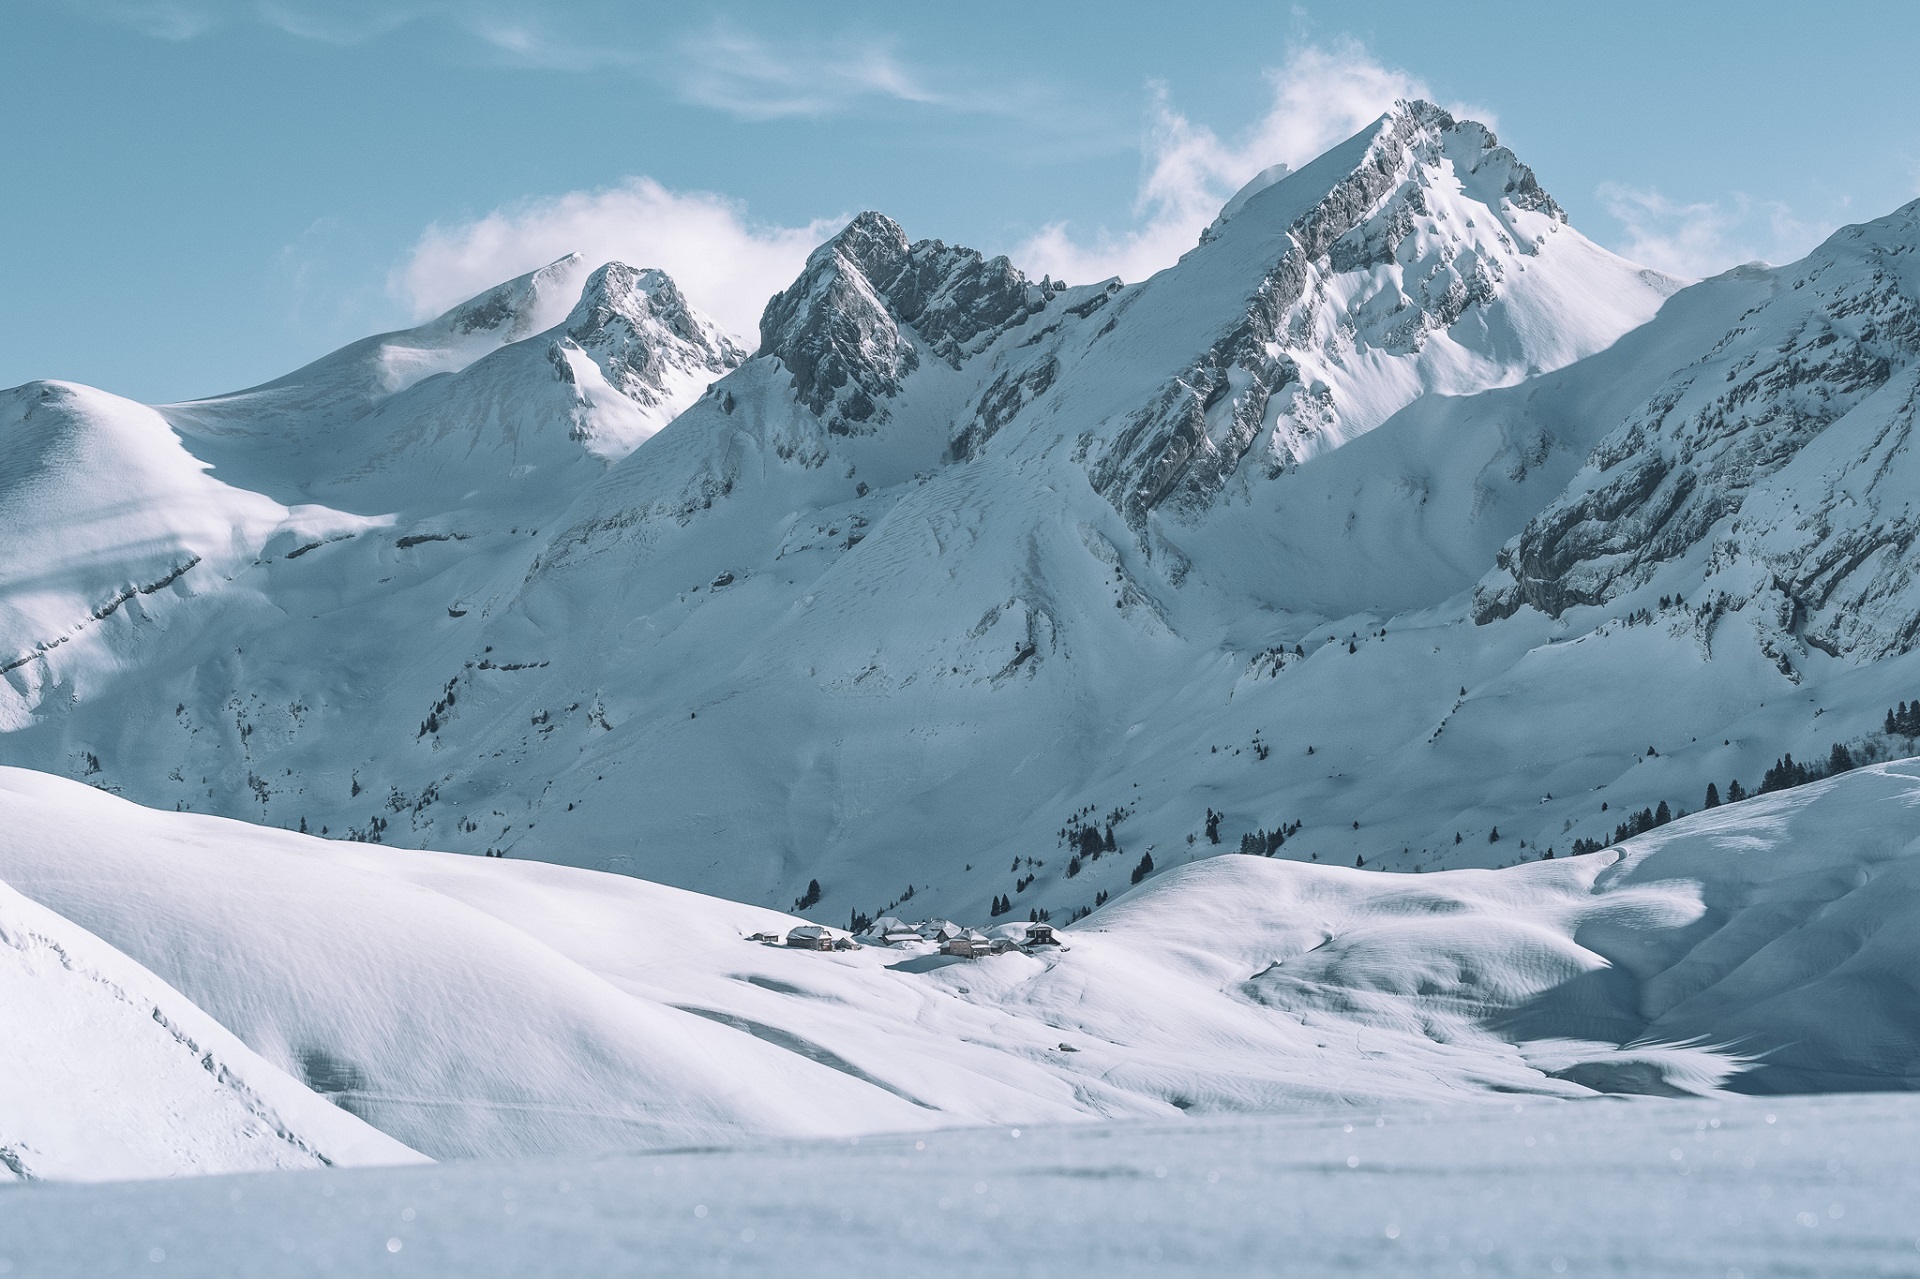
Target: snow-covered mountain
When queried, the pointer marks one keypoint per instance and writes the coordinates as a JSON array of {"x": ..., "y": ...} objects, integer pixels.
[{"x": 1396, "y": 509}]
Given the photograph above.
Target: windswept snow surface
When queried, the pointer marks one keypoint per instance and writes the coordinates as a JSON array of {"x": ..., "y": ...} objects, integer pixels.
[
  {"x": 475, "y": 1006},
  {"x": 107, "y": 1072},
  {"x": 1789, "y": 1187}
]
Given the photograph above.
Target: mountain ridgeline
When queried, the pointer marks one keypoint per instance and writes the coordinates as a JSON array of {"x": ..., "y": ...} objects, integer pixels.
[{"x": 1396, "y": 515}]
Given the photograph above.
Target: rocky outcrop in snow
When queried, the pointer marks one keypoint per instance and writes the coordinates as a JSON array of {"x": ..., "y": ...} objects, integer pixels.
[{"x": 1773, "y": 471}]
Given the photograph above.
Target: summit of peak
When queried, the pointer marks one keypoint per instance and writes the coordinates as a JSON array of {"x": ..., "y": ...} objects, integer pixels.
[
  {"x": 869, "y": 301},
  {"x": 1394, "y": 158},
  {"x": 521, "y": 306},
  {"x": 634, "y": 322},
  {"x": 616, "y": 288}
]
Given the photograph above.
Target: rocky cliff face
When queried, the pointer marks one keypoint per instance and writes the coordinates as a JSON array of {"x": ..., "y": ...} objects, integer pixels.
[
  {"x": 1771, "y": 473},
  {"x": 854, "y": 325}
]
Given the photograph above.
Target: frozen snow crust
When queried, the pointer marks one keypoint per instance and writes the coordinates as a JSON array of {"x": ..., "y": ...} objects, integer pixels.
[{"x": 473, "y": 1006}]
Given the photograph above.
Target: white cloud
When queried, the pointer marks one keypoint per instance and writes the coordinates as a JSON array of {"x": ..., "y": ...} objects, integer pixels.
[
  {"x": 1702, "y": 239},
  {"x": 1321, "y": 96},
  {"x": 727, "y": 264}
]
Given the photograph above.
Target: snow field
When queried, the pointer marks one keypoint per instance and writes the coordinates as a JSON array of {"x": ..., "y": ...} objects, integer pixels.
[{"x": 1726, "y": 1188}]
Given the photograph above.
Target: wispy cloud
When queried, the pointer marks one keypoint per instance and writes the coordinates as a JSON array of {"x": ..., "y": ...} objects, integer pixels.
[
  {"x": 727, "y": 263},
  {"x": 1321, "y": 95},
  {"x": 1695, "y": 240},
  {"x": 756, "y": 79},
  {"x": 748, "y": 76}
]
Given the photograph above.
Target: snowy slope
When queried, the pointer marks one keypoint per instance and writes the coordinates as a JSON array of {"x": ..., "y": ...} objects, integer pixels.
[
  {"x": 107, "y": 1072},
  {"x": 486, "y": 1006},
  {"x": 415, "y": 1011},
  {"x": 110, "y": 525}
]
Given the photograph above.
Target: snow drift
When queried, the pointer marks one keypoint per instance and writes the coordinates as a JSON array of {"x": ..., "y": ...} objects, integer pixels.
[{"x": 107, "y": 1072}]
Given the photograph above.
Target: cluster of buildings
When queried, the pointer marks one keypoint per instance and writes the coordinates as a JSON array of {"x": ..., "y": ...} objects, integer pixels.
[{"x": 949, "y": 937}]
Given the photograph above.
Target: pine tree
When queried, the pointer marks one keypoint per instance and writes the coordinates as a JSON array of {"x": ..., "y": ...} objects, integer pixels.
[
  {"x": 1213, "y": 827},
  {"x": 1359, "y": 862},
  {"x": 1108, "y": 845},
  {"x": 1839, "y": 760},
  {"x": 1735, "y": 791},
  {"x": 1493, "y": 836},
  {"x": 1713, "y": 796},
  {"x": 1144, "y": 869},
  {"x": 1663, "y": 814}
]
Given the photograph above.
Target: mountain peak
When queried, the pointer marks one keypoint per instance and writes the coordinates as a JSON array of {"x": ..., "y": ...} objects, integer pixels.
[
  {"x": 646, "y": 301},
  {"x": 1407, "y": 259},
  {"x": 855, "y": 323},
  {"x": 518, "y": 308}
]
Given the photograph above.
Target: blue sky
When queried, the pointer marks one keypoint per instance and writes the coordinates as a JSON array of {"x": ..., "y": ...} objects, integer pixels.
[{"x": 202, "y": 194}]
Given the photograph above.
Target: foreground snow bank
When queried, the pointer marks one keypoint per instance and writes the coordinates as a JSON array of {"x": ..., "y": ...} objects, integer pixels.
[
  {"x": 105, "y": 1071},
  {"x": 434, "y": 1021},
  {"x": 475, "y": 1006},
  {"x": 1729, "y": 1187}
]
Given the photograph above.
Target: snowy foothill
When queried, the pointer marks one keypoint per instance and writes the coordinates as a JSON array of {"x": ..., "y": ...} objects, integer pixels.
[
  {"x": 483, "y": 1006},
  {"x": 108, "y": 1072}
]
